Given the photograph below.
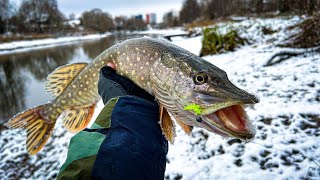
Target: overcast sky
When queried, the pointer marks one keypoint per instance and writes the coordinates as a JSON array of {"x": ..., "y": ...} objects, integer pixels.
[{"x": 120, "y": 7}]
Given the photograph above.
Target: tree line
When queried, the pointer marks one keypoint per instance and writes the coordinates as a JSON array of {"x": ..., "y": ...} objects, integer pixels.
[
  {"x": 38, "y": 16},
  {"x": 44, "y": 16},
  {"x": 193, "y": 10}
]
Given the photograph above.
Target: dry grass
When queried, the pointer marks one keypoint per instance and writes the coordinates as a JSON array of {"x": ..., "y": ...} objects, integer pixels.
[
  {"x": 200, "y": 23},
  {"x": 206, "y": 22}
]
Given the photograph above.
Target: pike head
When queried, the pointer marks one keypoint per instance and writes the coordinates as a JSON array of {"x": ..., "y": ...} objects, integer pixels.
[{"x": 197, "y": 93}]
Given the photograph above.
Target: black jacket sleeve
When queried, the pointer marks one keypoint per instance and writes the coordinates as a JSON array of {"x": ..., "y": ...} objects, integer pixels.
[{"x": 134, "y": 147}]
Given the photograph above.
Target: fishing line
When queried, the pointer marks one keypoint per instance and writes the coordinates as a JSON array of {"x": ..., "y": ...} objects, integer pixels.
[{"x": 314, "y": 160}]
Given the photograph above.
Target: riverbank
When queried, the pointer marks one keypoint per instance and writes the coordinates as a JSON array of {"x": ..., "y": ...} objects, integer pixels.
[
  {"x": 18, "y": 46},
  {"x": 26, "y": 45},
  {"x": 287, "y": 119}
]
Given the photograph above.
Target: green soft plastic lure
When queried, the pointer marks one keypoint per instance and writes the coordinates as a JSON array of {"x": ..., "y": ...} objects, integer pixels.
[{"x": 193, "y": 107}]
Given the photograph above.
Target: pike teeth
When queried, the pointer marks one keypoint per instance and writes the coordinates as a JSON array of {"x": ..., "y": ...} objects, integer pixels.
[
  {"x": 233, "y": 117},
  {"x": 249, "y": 106},
  {"x": 228, "y": 123}
]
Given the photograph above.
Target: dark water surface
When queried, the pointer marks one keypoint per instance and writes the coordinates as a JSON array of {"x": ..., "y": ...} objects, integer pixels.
[{"x": 22, "y": 75}]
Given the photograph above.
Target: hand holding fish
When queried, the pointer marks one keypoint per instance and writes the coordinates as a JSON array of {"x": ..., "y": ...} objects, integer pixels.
[{"x": 112, "y": 85}]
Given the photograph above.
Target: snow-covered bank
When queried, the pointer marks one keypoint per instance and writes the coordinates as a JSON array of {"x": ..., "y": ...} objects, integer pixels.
[
  {"x": 18, "y": 46},
  {"x": 23, "y": 46},
  {"x": 170, "y": 31},
  {"x": 287, "y": 119}
]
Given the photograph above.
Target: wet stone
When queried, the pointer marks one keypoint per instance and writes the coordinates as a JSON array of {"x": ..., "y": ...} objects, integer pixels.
[
  {"x": 238, "y": 162},
  {"x": 264, "y": 153},
  {"x": 221, "y": 150},
  {"x": 233, "y": 141}
]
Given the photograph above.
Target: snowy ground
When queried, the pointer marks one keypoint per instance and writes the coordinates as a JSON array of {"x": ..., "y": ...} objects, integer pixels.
[
  {"x": 287, "y": 118},
  {"x": 170, "y": 31}
]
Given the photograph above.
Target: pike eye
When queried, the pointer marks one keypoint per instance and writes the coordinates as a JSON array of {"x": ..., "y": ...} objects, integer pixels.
[{"x": 200, "y": 78}]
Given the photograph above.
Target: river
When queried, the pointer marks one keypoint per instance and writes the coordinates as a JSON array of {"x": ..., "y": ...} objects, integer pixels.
[{"x": 22, "y": 75}]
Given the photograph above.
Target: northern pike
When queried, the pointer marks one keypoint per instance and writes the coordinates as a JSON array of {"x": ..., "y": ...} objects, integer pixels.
[{"x": 192, "y": 90}]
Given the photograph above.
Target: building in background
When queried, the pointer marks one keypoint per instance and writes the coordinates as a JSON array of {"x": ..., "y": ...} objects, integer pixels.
[
  {"x": 151, "y": 18},
  {"x": 148, "y": 18},
  {"x": 139, "y": 16}
]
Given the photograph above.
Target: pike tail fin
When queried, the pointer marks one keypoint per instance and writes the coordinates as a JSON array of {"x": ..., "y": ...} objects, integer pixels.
[{"x": 39, "y": 129}]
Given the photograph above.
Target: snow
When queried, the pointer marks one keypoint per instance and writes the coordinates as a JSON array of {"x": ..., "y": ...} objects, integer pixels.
[
  {"x": 171, "y": 31},
  {"x": 74, "y": 23},
  {"x": 287, "y": 119},
  {"x": 20, "y": 46},
  {"x": 284, "y": 147}
]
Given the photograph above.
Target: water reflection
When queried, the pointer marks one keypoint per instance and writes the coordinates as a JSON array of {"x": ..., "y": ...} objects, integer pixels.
[
  {"x": 12, "y": 89},
  {"x": 14, "y": 79},
  {"x": 94, "y": 48},
  {"x": 22, "y": 75},
  {"x": 44, "y": 62}
]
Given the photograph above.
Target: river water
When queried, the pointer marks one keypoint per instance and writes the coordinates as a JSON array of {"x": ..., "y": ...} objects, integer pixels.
[{"x": 22, "y": 75}]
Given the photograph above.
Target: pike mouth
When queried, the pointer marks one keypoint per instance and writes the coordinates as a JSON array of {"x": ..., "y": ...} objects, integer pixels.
[{"x": 230, "y": 121}]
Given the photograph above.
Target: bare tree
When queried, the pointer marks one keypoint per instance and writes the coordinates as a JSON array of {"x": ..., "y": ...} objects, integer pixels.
[
  {"x": 97, "y": 20},
  {"x": 170, "y": 19},
  {"x": 119, "y": 22},
  {"x": 299, "y": 6},
  {"x": 259, "y": 6},
  {"x": 216, "y": 8},
  {"x": 72, "y": 16},
  {"x": 134, "y": 24},
  {"x": 6, "y": 12},
  {"x": 40, "y": 15},
  {"x": 190, "y": 11}
]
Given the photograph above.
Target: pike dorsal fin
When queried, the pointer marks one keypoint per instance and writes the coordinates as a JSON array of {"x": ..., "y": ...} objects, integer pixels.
[
  {"x": 59, "y": 79},
  {"x": 167, "y": 125}
]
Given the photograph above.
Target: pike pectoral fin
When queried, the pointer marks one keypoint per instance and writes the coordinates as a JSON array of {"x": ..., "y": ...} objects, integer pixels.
[
  {"x": 186, "y": 128},
  {"x": 166, "y": 122},
  {"x": 76, "y": 119},
  {"x": 38, "y": 129},
  {"x": 167, "y": 125},
  {"x": 59, "y": 79}
]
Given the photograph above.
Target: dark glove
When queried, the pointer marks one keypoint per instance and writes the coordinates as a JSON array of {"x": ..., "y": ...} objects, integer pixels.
[{"x": 112, "y": 85}]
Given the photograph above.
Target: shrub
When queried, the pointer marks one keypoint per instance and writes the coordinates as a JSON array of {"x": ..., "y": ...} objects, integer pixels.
[{"x": 214, "y": 42}]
